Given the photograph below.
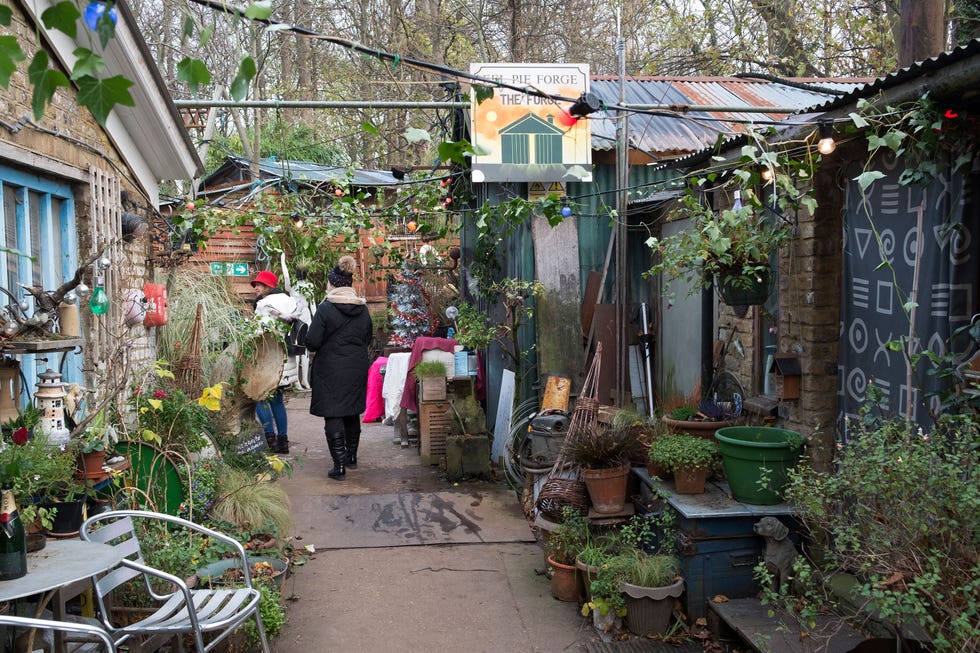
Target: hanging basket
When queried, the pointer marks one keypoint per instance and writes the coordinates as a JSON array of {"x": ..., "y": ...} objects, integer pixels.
[{"x": 738, "y": 290}]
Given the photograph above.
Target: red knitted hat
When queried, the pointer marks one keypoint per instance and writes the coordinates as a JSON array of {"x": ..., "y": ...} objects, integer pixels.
[{"x": 266, "y": 278}]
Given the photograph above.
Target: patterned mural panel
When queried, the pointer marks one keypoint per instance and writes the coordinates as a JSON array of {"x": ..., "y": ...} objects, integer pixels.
[{"x": 904, "y": 245}]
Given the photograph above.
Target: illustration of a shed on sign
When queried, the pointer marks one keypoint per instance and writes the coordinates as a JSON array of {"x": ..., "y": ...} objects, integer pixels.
[{"x": 531, "y": 139}]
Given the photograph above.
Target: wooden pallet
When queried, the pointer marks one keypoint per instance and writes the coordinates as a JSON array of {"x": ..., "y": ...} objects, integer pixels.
[{"x": 434, "y": 420}]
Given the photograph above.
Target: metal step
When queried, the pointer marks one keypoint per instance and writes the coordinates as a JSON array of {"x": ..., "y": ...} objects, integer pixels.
[{"x": 780, "y": 633}]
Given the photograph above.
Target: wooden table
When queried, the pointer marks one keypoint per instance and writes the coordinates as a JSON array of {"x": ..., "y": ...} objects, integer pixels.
[{"x": 60, "y": 571}]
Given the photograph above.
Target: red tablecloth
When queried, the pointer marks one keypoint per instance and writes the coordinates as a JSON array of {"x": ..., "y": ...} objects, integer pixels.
[{"x": 422, "y": 344}]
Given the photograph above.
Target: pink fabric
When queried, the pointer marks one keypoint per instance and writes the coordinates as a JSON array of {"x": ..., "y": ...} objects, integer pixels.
[
  {"x": 375, "y": 408},
  {"x": 423, "y": 343}
]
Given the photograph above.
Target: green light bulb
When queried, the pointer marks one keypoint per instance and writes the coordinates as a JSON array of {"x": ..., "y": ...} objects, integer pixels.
[{"x": 99, "y": 303}]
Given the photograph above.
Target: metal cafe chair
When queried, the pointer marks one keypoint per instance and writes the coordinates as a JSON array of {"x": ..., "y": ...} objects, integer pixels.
[
  {"x": 197, "y": 612},
  {"x": 89, "y": 631}
]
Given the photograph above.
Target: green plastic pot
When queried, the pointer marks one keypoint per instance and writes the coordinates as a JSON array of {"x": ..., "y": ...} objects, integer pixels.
[{"x": 753, "y": 453}]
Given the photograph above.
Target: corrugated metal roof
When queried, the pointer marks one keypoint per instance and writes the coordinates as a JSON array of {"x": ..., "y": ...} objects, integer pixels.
[
  {"x": 303, "y": 171},
  {"x": 906, "y": 75},
  {"x": 666, "y": 136}
]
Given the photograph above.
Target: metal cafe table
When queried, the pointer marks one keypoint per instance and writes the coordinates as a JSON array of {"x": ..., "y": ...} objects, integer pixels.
[{"x": 60, "y": 571}]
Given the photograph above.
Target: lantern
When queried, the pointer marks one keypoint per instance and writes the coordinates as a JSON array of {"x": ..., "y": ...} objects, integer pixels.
[{"x": 50, "y": 401}]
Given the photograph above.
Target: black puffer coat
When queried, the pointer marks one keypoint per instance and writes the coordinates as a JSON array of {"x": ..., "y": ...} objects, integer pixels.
[{"x": 339, "y": 337}]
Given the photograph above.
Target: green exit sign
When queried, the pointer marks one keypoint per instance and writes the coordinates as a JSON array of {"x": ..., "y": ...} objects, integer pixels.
[{"x": 229, "y": 269}]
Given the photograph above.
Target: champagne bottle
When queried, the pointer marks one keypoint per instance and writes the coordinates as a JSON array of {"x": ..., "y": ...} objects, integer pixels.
[{"x": 13, "y": 540}]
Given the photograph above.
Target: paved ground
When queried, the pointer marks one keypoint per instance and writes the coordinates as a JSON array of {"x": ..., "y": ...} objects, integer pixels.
[{"x": 407, "y": 562}]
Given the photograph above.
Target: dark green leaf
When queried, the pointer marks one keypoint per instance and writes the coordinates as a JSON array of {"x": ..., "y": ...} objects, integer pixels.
[
  {"x": 105, "y": 28},
  {"x": 205, "y": 37},
  {"x": 45, "y": 81},
  {"x": 10, "y": 54},
  {"x": 101, "y": 95},
  {"x": 193, "y": 72},
  {"x": 482, "y": 93},
  {"x": 188, "y": 27},
  {"x": 88, "y": 63},
  {"x": 244, "y": 76},
  {"x": 62, "y": 17},
  {"x": 5, "y": 15},
  {"x": 894, "y": 345}
]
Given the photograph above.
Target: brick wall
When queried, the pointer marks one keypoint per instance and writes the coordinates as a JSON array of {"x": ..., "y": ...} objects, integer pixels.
[{"x": 62, "y": 146}]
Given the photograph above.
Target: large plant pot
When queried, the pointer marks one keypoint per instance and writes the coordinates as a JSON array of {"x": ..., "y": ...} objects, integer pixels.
[
  {"x": 607, "y": 488},
  {"x": 587, "y": 573},
  {"x": 649, "y": 609},
  {"x": 565, "y": 582},
  {"x": 757, "y": 460},
  {"x": 736, "y": 290},
  {"x": 698, "y": 428},
  {"x": 690, "y": 480}
]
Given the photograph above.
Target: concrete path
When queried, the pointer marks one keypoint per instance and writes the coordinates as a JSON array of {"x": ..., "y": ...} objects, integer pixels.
[{"x": 407, "y": 562}]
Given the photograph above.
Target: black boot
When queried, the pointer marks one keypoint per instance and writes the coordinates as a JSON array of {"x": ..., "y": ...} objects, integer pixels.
[
  {"x": 270, "y": 440},
  {"x": 282, "y": 444},
  {"x": 352, "y": 441},
  {"x": 338, "y": 451}
]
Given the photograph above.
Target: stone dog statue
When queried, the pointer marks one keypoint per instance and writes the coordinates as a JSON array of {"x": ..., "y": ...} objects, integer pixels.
[{"x": 780, "y": 553}]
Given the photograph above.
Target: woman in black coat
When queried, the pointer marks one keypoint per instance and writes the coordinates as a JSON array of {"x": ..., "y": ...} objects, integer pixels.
[{"x": 339, "y": 337}]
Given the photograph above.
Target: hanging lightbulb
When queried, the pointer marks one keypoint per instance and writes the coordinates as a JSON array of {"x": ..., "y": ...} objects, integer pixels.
[
  {"x": 737, "y": 203},
  {"x": 566, "y": 210},
  {"x": 82, "y": 290},
  {"x": 99, "y": 302},
  {"x": 767, "y": 175},
  {"x": 826, "y": 145}
]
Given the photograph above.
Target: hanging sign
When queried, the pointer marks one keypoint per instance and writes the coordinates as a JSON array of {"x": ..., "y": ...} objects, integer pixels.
[{"x": 522, "y": 137}]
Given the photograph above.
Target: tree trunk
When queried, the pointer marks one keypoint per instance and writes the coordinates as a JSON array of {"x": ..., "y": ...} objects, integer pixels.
[{"x": 923, "y": 30}]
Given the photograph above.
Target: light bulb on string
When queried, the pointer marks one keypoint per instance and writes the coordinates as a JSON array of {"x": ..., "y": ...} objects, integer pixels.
[
  {"x": 566, "y": 210},
  {"x": 826, "y": 145},
  {"x": 767, "y": 175},
  {"x": 99, "y": 302}
]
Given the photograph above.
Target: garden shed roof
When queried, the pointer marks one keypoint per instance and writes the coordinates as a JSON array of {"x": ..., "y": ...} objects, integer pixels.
[
  {"x": 235, "y": 170},
  {"x": 665, "y": 136}
]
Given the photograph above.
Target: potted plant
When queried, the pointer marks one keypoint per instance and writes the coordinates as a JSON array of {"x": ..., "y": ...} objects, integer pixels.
[
  {"x": 732, "y": 247},
  {"x": 564, "y": 543},
  {"x": 431, "y": 376},
  {"x": 38, "y": 471},
  {"x": 650, "y": 584},
  {"x": 606, "y": 601},
  {"x": 91, "y": 447},
  {"x": 602, "y": 454},
  {"x": 688, "y": 458},
  {"x": 701, "y": 420}
]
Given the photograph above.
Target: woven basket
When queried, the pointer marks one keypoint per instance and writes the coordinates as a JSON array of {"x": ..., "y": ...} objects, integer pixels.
[{"x": 564, "y": 486}]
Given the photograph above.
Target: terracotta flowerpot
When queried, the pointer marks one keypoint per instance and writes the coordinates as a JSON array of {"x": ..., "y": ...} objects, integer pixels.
[
  {"x": 698, "y": 428},
  {"x": 607, "y": 488},
  {"x": 90, "y": 464},
  {"x": 690, "y": 480},
  {"x": 565, "y": 583}
]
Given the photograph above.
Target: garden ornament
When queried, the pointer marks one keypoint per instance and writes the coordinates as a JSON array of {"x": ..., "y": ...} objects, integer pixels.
[{"x": 779, "y": 553}]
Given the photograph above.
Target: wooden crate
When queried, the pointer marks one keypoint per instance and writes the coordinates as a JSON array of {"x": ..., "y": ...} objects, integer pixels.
[{"x": 434, "y": 420}]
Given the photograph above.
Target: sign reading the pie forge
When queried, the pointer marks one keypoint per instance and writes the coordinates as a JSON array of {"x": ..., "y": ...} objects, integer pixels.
[{"x": 523, "y": 137}]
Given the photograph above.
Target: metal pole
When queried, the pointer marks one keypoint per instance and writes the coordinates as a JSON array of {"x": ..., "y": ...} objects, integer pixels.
[
  {"x": 648, "y": 356},
  {"x": 622, "y": 199}
]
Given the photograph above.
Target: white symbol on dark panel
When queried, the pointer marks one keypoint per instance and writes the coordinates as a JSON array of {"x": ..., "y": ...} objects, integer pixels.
[
  {"x": 860, "y": 292},
  {"x": 884, "y": 297}
]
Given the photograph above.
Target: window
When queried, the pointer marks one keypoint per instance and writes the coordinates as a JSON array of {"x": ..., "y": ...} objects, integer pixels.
[{"x": 37, "y": 224}]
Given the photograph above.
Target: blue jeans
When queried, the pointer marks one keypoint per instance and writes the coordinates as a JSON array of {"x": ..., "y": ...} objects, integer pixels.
[{"x": 273, "y": 409}]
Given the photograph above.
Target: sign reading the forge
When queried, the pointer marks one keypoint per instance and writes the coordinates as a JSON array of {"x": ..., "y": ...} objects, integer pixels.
[
  {"x": 523, "y": 137},
  {"x": 229, "y": 269}
]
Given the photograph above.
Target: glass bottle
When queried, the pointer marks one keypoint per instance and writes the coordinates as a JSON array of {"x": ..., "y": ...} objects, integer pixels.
[
  {"x": 13, "y": 539},
  {"x": 99, "y": 303}
]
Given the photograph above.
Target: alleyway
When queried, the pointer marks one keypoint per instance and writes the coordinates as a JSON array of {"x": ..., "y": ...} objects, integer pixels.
[{"x": 406, "y": 562}]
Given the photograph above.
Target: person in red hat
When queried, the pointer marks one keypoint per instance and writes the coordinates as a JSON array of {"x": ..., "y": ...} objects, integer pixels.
[{"x": 271, "y": 302}]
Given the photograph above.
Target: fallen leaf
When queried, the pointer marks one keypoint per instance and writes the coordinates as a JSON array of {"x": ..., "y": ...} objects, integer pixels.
[{"x": 719, "y": 598}]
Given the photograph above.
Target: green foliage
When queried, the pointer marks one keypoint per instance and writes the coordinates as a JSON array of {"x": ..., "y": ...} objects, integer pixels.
[
  {"x": 38, "y": 470},
  {"x": 683, "y": 413},
  {"x": 271, "y": 612},
  {"x": 650, "y": 570},
  {"x": 165, "y": 415},
  {"x": 200, "y": 487},
  {"x": 899, "y": 515},
  {"x": 248, "y": 502},
  {"x": 674, "y": 451},
  {"x": 473, "y": 328},
  {"x": 927, "y": 137},
  {"x": 430, "y": 368},
  {"x": 569, "y": 537},
  {"x": 495, "y": 222},
  {"x": 601, "y": 447}
]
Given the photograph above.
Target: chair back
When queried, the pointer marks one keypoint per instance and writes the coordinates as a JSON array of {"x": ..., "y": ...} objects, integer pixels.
[{"x": 117, "y": 531}]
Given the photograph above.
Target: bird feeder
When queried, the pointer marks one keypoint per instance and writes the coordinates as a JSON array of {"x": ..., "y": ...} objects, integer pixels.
[{"x": 785, "y": 376}]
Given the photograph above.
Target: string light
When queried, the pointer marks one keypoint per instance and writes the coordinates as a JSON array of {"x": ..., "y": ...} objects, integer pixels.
[
  {"x": 826, "y": 145},
  {"x": 767, "y": 175}
]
